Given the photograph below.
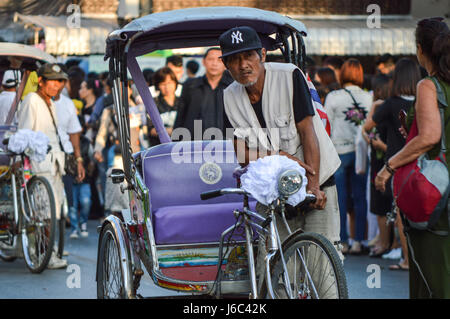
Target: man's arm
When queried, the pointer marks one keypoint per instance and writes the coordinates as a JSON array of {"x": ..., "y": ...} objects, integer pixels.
[
  {"x": 245, "y": 155},
  {"x": 75, "y": 140},
  {"x": 311, "y": 153}
]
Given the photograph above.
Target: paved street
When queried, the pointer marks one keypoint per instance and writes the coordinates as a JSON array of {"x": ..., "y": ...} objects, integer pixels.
[{"x": 17, "y": 281}]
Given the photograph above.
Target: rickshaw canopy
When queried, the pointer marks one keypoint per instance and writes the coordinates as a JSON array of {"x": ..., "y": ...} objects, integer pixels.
[
  {"x": 195, "y": 27},
  {"x": 191, "y": 27},
  {"x": 16, "y": 55}
]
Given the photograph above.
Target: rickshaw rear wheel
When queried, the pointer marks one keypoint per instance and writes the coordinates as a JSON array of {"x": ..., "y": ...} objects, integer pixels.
[
  {"x": 5, "y": 256},
  {"x": 110, "y": 277},
  {"x": 38, "y": 224},
  {"x": 326, "y": 279}
]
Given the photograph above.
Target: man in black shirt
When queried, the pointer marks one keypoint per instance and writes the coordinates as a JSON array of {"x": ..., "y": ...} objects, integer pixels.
[
  {"x": 202, "y": 97},
  {"x": 247, "y": 68}
]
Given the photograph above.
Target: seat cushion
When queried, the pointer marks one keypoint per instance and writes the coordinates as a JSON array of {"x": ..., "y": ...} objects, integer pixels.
[
  {"x": 177, "y": 173},
  {"x": 194, "y": 223}
]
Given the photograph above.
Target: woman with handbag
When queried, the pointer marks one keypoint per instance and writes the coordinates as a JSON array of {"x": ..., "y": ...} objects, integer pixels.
[
  {"x": 429, "y": 250},
  {"x": 346, "y": 109}
]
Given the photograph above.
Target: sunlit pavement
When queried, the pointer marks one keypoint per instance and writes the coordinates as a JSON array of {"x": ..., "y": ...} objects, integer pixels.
[{"x": 18, "y": 282}]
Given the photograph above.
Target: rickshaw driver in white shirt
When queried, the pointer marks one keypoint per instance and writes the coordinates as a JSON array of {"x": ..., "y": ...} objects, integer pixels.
[
  {"x": 36, "y": 113},
  {"x": 306, "y": 141}
]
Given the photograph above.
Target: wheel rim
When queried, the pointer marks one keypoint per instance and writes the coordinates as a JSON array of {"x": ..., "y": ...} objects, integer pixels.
[
  {"x": 37, "y": 225},
  {"x": 321, "y": 281},
  {"x": 112, "y": 280}
]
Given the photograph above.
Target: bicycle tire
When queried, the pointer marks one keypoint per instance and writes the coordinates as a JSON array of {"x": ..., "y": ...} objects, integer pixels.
[
  {"x": 34, "y": 260},
  {"x": 108, "y": 266},
  {"x": 5, "y": 257},
  {"x": 322, "y": 245}
]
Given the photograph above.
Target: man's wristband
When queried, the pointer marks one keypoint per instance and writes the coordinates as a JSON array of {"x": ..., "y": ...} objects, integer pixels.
[
  {"x": 79, "y": 159},
  {"x": 389, "y": 168}
]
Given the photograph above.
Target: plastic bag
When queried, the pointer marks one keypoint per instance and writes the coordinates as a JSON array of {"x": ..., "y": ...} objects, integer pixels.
[{"x": 361, "y": 151}]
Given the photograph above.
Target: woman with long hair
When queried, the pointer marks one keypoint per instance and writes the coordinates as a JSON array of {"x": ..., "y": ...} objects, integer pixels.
[
  {"x": 406, "y": 74},
  {"x": 379, "y": 203},
  {"x": 346, "y": 110},
  {"x": 429, "y": 272}
]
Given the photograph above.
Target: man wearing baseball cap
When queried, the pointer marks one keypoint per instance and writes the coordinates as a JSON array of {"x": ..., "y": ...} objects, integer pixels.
[
  {"x": 9, "y": 84},
  {"x": 38, "y": 113},
  {"x": 275, "y": 97}
]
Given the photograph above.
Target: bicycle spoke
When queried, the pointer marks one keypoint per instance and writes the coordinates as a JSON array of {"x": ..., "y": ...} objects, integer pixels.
[{"x": 303, "y": 259}]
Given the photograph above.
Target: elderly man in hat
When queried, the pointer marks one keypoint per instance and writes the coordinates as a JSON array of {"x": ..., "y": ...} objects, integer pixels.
[
  {"x": 275, "y": 97},
  {"x": 38, "y": 113}
]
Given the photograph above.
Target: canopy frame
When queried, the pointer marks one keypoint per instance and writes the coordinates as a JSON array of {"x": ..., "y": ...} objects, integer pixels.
[{"x": 125, "y": 45}]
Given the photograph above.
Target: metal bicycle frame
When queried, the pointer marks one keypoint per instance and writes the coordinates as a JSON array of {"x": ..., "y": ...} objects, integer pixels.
[{"x": 267, "y": 226}]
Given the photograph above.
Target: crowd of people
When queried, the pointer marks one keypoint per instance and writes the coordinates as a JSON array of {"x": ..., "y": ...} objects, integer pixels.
[{"x": 75, "y": 110}]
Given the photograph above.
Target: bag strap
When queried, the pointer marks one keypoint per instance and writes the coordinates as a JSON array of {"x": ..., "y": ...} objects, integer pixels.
[
  {"x": 54, "y": 124},
  {"x": 442, "y": 104},
  {"x": 353, "y": 98}
]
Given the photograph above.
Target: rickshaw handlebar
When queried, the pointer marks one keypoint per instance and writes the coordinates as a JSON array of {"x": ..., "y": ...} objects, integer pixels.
[
  {"x": 309, "y": 199},
  {"x": 223, "y": 191}
]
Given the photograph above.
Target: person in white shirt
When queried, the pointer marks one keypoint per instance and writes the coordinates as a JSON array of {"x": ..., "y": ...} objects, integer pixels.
[
  {"x": 38, "y": 113},
  {"x": 346, "y": 109},
  {"x": 69, "y": 128},
  {"x": 9, "y": 84}
]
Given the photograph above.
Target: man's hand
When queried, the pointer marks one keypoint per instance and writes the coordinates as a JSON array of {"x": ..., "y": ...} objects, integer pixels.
[
  {"x": 321, "y": 198},
  {"x": 308, "y": 168},
  {"x": 81, "y": 172}
]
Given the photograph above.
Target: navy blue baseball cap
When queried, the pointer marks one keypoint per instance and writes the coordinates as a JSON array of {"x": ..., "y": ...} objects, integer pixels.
[{"x": 239, "y": 39}]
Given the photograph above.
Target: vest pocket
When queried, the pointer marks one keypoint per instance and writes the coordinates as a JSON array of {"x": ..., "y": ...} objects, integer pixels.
[
  {"x": 287, "y": 133},
  {"x": 283, "y": 123}
]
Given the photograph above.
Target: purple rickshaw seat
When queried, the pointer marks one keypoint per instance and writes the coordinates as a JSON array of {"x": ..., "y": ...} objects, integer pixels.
[{"x": 178, "y": 214}]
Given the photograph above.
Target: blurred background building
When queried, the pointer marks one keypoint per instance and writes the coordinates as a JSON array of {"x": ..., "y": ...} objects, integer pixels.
[{"x": 335, "y": 27}]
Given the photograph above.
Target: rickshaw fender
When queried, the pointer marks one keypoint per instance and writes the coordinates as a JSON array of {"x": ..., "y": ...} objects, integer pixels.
[{"x": 124, "y": 249}]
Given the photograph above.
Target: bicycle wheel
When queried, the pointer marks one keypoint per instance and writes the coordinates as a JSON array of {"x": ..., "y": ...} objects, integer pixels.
[
  {"x": 110, "y": 277},
  {"x": 38, "y": 224},
  {"x": 6, "y": 253},
  {"x": 315, "y": 270}
]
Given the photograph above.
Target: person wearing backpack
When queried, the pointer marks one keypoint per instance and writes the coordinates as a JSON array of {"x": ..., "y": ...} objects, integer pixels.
[{"x": 429, "y": 248}]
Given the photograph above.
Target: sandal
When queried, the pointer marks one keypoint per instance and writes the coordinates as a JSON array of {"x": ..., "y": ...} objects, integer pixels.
[
  {"x": 356, "y": 248},
  {"x": 375, "y": 253},
  {"x": 398, "y": 267}
]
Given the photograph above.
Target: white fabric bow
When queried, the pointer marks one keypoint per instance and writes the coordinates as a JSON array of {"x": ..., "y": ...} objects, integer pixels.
[
  {"x": 261, "y": 179},
  {"x": 36, "y": 142}
]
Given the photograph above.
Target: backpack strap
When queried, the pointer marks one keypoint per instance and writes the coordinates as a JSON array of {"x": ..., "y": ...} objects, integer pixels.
[{"x": 442, "y": 104}]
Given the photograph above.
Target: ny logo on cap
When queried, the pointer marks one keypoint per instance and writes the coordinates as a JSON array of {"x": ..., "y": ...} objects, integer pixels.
[{"x": 236, "y": 37}]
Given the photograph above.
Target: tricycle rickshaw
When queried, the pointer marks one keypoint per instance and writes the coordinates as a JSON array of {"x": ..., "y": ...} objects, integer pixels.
[
  {"x": 186, "y": 244},
  {"x": 27, "y": 205}
]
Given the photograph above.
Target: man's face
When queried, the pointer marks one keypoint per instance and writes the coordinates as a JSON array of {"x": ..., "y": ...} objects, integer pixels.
[
  {"x": 50, "y": 87},
  {"x": 178, "y": 70},
  {"x": 386, "y": 68},
  {"x": 246, "y": 67},
  {"x": 213, "y": 64}
]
